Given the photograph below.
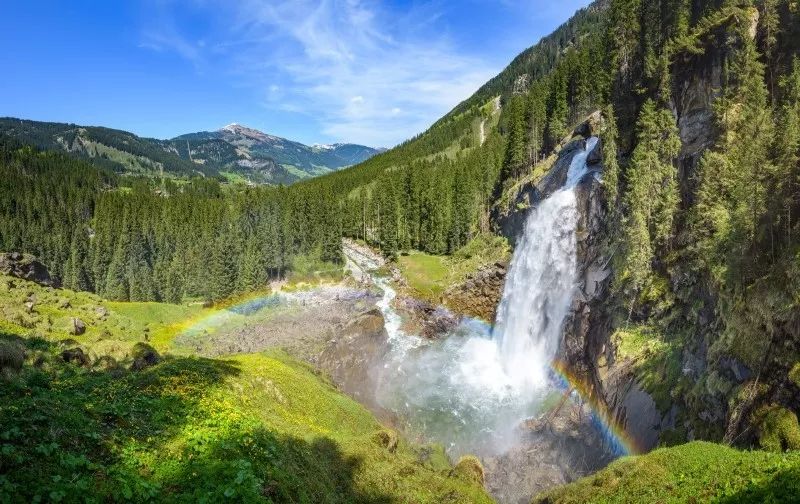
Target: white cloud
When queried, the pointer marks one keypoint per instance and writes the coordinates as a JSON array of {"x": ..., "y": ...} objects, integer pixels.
[{"x": 363, "y": 73}]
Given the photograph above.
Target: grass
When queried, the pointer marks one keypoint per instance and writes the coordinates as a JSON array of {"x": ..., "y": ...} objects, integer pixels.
[
  {"x": 161, "y": 321},
  {"x": 108, "y": 324},
  {"x": 695, "y": 472},
  {"x": 310, "y": 269},
  {"x": 429, "y": 276},
  {"x": 247, "y": 428},
  {"x": 294, "y": 170}
]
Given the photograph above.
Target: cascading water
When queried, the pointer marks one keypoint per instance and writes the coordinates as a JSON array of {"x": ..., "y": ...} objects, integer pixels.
[
  {"x": 541, "y": 284},
  {"x": 471, "y": 390}
]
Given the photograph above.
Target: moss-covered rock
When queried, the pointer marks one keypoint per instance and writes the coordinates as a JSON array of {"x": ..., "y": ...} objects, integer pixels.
[
  {"x": 12, "y": 357},
  {"x": 794, "y": 374},
  {"x": 469, "y": 468},
  {"x": 387, "y": 439},
  {"x": 778, "y": 429},
  {"x": 144, "y": 356}
]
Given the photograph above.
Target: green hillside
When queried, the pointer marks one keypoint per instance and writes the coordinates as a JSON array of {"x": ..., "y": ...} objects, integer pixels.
[
  {"x": 235, "y": 154},
  {"x": 84, "y": 421},
  {"x": 694, "y": 472}
]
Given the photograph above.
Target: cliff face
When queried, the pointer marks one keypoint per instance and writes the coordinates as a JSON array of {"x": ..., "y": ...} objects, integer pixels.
[{"x": 588, "y": 346}]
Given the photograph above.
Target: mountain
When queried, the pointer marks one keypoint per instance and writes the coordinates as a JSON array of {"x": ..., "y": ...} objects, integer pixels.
[
  {"x": 250, "y": 149},
  {"x": 697, "y": 105},
  {"x": 235, "y": 153}
]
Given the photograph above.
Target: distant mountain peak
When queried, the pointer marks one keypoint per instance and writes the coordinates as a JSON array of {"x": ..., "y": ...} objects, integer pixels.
[
  {"x": 240, "y": 130},
  {"x": 320, "y": 146}
]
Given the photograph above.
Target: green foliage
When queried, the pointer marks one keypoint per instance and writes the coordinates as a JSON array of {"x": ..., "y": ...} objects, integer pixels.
[
  {"x": 196, "y": 240},
  {"x": 429, "y": 276},
  {"x": 778, "y": 429},
  {"x": 652, "y": 199},
  {"x": 611, "y": 169},
  {"x": 794, "y": 374},
  {"x": 655, "y": 362},
  {"x": 254, "y": 428},
  {"x": 694, "y": 472}
]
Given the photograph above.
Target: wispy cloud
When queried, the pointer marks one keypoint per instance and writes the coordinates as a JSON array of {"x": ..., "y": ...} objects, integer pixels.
[{"x": 362, "y": 71}]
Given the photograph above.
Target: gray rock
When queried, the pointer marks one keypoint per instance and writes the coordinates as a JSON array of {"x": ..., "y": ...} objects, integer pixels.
[
  {"x": 596, "y": 156},
  {"x": 78, "y": 327},
  {"x": 26, "y": 267},
  {"x": 144, "y": 356}
]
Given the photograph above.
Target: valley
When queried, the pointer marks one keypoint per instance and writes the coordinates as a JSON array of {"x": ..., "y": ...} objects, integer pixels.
[{"x": 581, "y": 284}]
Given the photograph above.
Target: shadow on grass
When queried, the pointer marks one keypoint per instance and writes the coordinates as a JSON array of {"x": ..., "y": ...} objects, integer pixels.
[
  {"x": 93, "y": 434},
  {"x": 782, "y": 487},
  {"x": 265, "y": 466}
]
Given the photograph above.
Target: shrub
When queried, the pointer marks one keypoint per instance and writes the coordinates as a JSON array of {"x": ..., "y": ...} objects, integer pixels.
[{"x": 794, "y": 374}]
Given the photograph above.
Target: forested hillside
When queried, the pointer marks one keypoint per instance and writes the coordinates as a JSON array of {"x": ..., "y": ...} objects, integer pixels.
[
  {"x": 153, "y": 241},
  {"x": 701, "y": 102},
  {"x": 232, "y": 154}
]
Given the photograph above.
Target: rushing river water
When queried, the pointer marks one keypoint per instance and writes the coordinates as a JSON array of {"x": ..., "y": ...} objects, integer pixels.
[{"x": 471, "y": 389}]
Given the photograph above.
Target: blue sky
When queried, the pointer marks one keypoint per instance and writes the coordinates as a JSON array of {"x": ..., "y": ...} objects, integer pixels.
[{"x": 357, "y": 71}]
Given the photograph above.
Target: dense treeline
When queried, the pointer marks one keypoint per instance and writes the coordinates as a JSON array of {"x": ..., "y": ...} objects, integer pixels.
[
  {"x": 435, "y": 192},
  {"x": 149, "y": 242}
]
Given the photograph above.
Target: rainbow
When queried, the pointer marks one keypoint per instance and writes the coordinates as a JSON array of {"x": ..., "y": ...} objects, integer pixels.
[
  {"x": 223, "y": 313},
  {"x": 620, "y": 442},
  {"x": 239, "y": 307}
]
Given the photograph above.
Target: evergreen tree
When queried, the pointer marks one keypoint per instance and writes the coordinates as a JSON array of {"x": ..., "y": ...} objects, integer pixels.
[
  {"x": 652, "y": 196},
  {"x": 252, "y": 274}
]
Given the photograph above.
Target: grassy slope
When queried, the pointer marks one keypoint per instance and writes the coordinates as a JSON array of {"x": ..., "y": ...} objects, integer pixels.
[
  {"x": 429, "y": 276},
  {"x": 695, "y": 472},
  {"x": 251, "y": 428}
]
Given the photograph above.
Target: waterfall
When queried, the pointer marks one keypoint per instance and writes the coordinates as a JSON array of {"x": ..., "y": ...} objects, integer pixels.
[
  {"x": 471, "y": 389},
  {"x": 541, "y": 283}
]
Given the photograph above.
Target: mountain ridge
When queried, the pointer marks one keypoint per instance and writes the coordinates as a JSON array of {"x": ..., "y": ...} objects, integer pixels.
[{"x": 234, "y": 152}]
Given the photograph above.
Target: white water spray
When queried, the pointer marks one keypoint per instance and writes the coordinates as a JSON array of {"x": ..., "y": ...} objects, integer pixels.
[
  {"x": 471, "y": 390},
  {"x": 541, "y": 284}
]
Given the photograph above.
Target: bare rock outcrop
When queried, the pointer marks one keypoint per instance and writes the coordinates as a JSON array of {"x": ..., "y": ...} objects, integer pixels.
[
  {"x": 480, "y": 294},
  {"x": 26, "y": 267}
]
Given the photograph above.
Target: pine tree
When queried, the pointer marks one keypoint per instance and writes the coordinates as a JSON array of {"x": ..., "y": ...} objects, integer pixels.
[
  {"x": 652, "y": 196},
  {"x": 516, "y": 149},
  {"x": 252, "y": 274},
  {"x": 116, "y": 281},
  {"x": 76, "y": 276},
  {"x": 222, "y": 270}
]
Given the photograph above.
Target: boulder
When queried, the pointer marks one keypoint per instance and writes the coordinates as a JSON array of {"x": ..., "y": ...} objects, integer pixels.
[
  {"x": 26, "y": 267},
  {"x": 480, "y": 294},
  {"x": 12, "y": 356},
  {"x": 75, "y": 356},
  {"x": 386, "y": 439},
  {"x": 596, "y": 156},
  {"x": 78, "y": 327},
  {"x": 591, "y": 126},
  {"x": 469, "y": 468},
  {"x": 144, "y": 356}
]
